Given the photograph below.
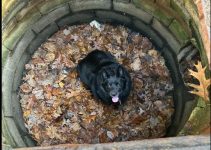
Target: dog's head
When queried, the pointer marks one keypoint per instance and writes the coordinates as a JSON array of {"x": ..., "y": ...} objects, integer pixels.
[{"x": 114, "y": 82}]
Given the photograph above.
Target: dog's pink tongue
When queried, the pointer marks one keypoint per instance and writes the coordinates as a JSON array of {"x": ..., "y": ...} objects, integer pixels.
[{"x": 115, "y": 99}]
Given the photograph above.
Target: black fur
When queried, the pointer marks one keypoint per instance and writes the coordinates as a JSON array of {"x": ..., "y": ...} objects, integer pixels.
[{"x": 104, "y": 76}]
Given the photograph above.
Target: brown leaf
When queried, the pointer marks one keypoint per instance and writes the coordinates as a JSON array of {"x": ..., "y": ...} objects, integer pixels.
[
  {"x": 26, "y": 113},
  {"x": 73, "y": 93},
  {"x": 138, "y": 83},
  {"x": 58, "y": 112},
  {"x": 73, "y": 74},
  {"x": 52, "y": 132},
  {"x": 146, "y": 44},
  {"x": 136, "y": 65},
  {"x": 75, "y": 126},
  {"x": 56, "y": 91},
  {"x": 80, "y": 44},
  {"x": 31, "y": 102},
  {"x": 37, "y": 135},
  {"x": 102, "y": 137},
  {"x": 68, "y": 62},
  {"x": 37, "y": 60},
  {"x": 31, "y": 82},
  {"x": 153, "y": 53},
  {"x": 61, "y": 84},
  {"x": 50, "y": 57},
  {"x": 38, "y": 93},
  {"x": 60, "y": 78},
  {"x": 48, "y": 90},
  {"x": 90, "y": 118},
  {"x": 137, "y": 39},
  {"x": 50, "y": 46},
  {"x": 202, "y": 88},
  {"x": 136, "y": 120},
  {"x": 26, "y": 88}
]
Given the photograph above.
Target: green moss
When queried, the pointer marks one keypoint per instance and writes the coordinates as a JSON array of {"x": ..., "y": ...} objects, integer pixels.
[
  {"x": 6, "y": 134},
  {"x": 156, "y": 10},
  {"x": 165, "y": 18},
  {"x": 15, "y": 10},
  {"x": 147, "y": 5},
  {"x": 179, "y": 32},
  {"x": 49, "y": 5},
  {"x": 9, "y": 27},
  {"x": 180, "y": 12},
  {"x": 6, "y": 6},
  {"x": 164, "y": 2},
  {"x": 197, "y": 42},
  {"x": 19, "y": 30},
  {"x": 199, "y": 119},
  {"x": 4, "y": 53}
]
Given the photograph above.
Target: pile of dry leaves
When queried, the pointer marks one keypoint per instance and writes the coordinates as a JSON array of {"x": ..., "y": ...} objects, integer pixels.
[{"x": 58, "y": 109}]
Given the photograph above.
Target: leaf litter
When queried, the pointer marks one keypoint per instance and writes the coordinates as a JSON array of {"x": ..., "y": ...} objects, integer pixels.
[{"x": 57, "y": 107}]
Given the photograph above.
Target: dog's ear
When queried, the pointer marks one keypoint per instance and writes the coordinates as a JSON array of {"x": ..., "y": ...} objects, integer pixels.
[{"x": 120, "y": 71}]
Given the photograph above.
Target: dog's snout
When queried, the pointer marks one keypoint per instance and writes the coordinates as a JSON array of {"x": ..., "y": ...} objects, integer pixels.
[{"x": 113, "y": 93}]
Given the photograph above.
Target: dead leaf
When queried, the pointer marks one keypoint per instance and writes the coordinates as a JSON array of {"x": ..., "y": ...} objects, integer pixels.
[
  {"x": 136, "y": 65},
  {"x": 26, "y": 88},
  {"x": 73, "y": 94},
  {"x": 153, "y": 121},
  {"x": 38, "y": 93},
  {"x": 26, "y": 113},
  {"x": 50, "y": 57},
  {"x": 137, "y": 119},
  {"x": 202, "y": 88},
  {"x": 50, "y": 46},
  {"x": 32, "y": 82},
  {"x": 66, "y": 32},
  {"x": 110, "y": 135},
  {"x": 56, "y": 91},
  {"x": 73, "y": 74},
  {"x": 31, "y": 102},
  {"x": 58, "y": 112},
  {"x": 61, "y": 84},
  {"x": 37, "y": 60},
  {"x": 52, "y": 132},
  {"x": 138, "y": 83},
  {"x": 153, "y": 53},
  {"x": 74, "y": 37},
  {"x": 60, "y": 78},
  {"x": 102, "y": 137},
  {"x": 75, "y": 127},
  {"x": 90, "y": 118}
]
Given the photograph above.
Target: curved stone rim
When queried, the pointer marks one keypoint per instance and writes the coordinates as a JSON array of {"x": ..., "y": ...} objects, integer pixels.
[{"x": 47, "y": 24}]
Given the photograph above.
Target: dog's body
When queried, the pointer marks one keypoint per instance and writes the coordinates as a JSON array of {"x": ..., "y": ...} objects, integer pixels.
[{"x": 107, "y": 79}]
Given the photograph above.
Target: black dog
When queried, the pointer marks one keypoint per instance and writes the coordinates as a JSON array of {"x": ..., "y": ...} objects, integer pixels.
[{"x": 107, "y": 79}]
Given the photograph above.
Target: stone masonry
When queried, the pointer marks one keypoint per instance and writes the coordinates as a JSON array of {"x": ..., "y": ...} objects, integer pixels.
[{"x": 28, "y": 23}]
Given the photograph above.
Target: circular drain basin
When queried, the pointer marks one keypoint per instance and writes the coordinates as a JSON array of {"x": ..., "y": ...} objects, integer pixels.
[{"x": 30, "y": 23}]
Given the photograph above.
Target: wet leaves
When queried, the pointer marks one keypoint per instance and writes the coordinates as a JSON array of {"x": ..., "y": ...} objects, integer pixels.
[{"x": 58, "y": 108}]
